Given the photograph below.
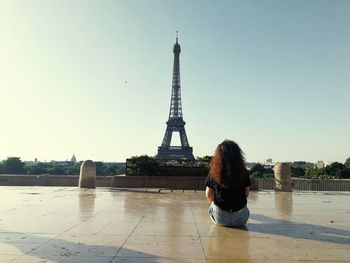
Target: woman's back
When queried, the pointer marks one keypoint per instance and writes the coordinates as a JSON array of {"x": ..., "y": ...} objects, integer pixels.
[{"x": 233, "y": 199}]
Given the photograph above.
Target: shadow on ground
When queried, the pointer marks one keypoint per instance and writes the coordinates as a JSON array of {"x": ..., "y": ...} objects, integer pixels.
[
  {"x": 41, "y": 249},
  {"x": 292, "y": 229}
]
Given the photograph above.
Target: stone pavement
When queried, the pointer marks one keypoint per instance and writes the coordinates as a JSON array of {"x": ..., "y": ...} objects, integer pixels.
[{"x": 62, "y": 224}]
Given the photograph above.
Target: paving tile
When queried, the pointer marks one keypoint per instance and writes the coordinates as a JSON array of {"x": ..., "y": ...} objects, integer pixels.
[
  {"x": 163, "y": 240},
  {"x": 121, "y": 214},
  {"x": 38, "y": 259},
  {"x": 17, "y": 248},
  {"x": 118, "y": 228},
  {"x": 155, "y": 246},
  {"x": 156, "y": 260},
  {"x": 88, "y": 227},
  {"x": 11, "y": 237},
  {"x": 7, "y": 258},
  {"x": 172, "y": 213},
  {"x": 87, "y": 259},
  {"x": 65, "y": 248},
  {"x": 277, "y": 248},
  {"x": 166, "y": 229},
  {"x": 99, "y": 239}
]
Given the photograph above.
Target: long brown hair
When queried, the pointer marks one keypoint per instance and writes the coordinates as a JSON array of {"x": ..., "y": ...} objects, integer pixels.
[{"x": 227, "y": 167}]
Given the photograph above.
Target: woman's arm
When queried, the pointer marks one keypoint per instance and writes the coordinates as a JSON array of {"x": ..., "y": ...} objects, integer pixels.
[
  {"x": 209, "y": 193},
  {"x": 246, "y": 191}
]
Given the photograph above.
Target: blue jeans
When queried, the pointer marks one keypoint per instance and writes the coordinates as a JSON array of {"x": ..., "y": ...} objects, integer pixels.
[{"x": 225, "y": 218}]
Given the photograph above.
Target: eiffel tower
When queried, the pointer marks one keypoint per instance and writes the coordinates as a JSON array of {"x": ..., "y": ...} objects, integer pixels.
[{"x": 175, "y": 122}]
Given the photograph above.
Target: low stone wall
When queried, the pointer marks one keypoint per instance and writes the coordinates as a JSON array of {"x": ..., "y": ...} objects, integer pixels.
[
  {"x": 49, "y": 180},
  {"x": 184, "y": 171},
  {"x": 20, "y": 180},
  {"x": 170, "y": 182}
]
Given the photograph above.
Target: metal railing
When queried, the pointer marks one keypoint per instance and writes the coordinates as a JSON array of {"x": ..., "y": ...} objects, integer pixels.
[{"x": 308, "y": 184}]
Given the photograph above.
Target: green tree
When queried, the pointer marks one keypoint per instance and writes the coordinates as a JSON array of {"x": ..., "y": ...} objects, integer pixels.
[
  {"x": 257, "y": 174},
  {"x": 74, "y": 169},
  {"x": 312, "y": 173},
  {"x": 143, "y": 165},
  {"x": 343, "y": 174},
  {"x": 257, "y": 168},
  {"x": 259, "y": 171},
  {"x": 268, "y": 175},
  {"x": 333, "y": 169},
  {"x": 100, "y": 169},
  {"x": 56, "y": 170},
  {"x": 297, "y": 172},
  {"x": 205, "y": 158},
  {"x": 121, "y": 169},
  {"x": 111, "y": 170},
  {"x": 36, "y": 169},
  {"x": 13, "y": 165},
  {"x": 103, "y": 169},
  {"x": 347, "y": 163}
]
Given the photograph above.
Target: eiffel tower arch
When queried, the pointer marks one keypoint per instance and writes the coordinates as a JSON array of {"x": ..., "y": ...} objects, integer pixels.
[{"x": 175, "y": 122}]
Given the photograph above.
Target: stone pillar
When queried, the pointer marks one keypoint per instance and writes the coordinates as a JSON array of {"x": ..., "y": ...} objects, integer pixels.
[
  {"x": 283, "y": 177},
  {"x": 87, "y": 178}
]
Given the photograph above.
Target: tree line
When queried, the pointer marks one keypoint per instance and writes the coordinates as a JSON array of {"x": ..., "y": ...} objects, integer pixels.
[
  {"x": 14, "y": 165},
  {"x": 335, "y": 170},
  {"x": 147, "y": 165}
]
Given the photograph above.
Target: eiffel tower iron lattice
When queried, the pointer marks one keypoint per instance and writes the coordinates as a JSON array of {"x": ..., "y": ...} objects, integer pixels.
[{"x": 175, "y": 122}]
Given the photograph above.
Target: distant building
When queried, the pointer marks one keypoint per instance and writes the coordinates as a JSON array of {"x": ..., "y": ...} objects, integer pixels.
[
  {"x": 302, "y": 164},
  {"x": 250, "y": 165},
  {"x": 73, "y": 159},
  {"x": 269, "y": 161},
  {"x": 320, "y": 164},
  {"x": 61, "y": 163}
]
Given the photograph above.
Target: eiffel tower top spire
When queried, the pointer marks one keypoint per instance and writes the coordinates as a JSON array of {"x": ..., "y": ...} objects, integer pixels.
[
  {"x": 175, "y": 104},
  {"x": 177, "y": 48}
]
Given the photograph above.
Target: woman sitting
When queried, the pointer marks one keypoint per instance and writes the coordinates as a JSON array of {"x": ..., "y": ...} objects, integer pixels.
[{"x": 228, "y": 186}]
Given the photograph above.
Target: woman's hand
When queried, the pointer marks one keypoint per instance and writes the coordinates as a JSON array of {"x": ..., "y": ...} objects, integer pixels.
[
  {"x": 209, "y": 193},
  {"x": 246, "y": 190}
]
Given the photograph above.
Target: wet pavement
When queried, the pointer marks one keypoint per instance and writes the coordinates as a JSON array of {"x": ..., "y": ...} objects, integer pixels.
[{"x": 62, "y": 224}]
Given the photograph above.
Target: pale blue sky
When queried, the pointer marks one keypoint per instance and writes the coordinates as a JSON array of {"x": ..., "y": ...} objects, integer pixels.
[{"x": 272, "y": 75}]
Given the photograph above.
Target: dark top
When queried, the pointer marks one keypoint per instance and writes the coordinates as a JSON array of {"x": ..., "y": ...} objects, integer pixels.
[{"x": 229, "y": 198}]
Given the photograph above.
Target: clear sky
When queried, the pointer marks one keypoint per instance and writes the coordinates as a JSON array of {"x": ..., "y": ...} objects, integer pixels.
[{"x": 93, "y": 78}]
